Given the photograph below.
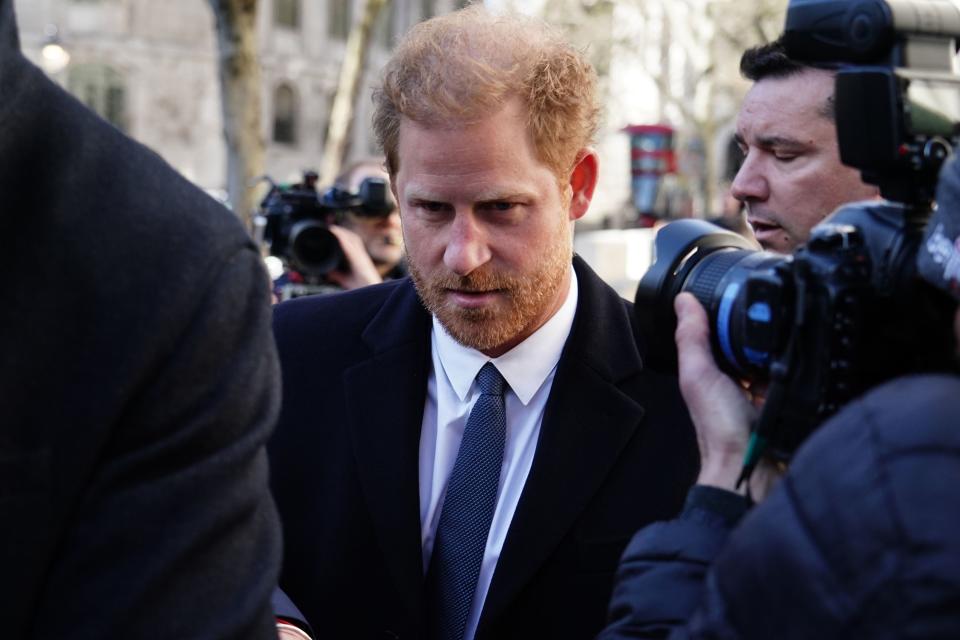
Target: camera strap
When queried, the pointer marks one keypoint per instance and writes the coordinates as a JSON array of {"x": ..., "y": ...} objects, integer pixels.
[{"x": 763, "y": 428}]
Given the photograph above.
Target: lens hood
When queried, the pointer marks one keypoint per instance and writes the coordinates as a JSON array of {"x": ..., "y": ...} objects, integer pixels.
[{"x": 678, "y": 247}]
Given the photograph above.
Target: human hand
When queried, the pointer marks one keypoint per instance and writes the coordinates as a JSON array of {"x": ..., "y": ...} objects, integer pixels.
[
  {"x": 719, "y": 407},
  {"x": 362, "y": 271}
]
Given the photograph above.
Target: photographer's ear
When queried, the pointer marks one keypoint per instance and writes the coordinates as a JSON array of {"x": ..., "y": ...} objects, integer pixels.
[{"x": 583, "y": 180}]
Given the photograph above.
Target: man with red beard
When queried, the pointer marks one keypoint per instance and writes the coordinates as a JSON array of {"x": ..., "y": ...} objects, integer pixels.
[
  {"x": 465, "y": 453},
  {"x": 791, "y": 177}
]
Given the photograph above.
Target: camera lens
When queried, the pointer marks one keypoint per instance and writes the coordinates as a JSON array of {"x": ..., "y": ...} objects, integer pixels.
[
  {"x": 314, "y": 249},
  {"x": 738, "y": 286}
]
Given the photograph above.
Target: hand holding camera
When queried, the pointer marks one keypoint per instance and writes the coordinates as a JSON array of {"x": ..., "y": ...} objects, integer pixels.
[
  {"x": 721, "y": 410},
  {"x": 360, "y": 270}
]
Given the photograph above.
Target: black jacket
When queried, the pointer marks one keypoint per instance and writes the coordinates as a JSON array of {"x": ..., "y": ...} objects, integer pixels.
[
  {"x": 616, "y": 451},
  {"x": 137, "y": 386},
  {"x": 860, "y": 540}
]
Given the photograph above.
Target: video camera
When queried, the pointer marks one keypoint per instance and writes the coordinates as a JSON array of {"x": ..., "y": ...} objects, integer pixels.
[
  {"x": 298, "y": 220},
  {"x": 846, "y": 311}
]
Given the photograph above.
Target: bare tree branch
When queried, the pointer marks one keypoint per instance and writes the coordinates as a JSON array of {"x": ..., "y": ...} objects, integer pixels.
[
  {"x": 351, "y": 71},
  {"x": 240, "y": 92}
]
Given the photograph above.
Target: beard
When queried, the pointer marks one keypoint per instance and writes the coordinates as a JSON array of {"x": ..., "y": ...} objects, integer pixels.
[{"x": 527, "y": 297}]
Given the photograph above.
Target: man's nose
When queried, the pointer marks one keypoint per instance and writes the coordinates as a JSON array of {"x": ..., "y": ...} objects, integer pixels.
[
  {"x": 750, "y": 183},
  {"x": 467, "y": 247}
]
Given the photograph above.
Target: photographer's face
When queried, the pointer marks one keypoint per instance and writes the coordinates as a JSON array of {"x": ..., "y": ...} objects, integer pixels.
[
  {"x": 380, "y": 234},
  {"x": 381, "y": 238},
  {"x": 791, "y": 177},
  {"x": 486, "y": 226}
]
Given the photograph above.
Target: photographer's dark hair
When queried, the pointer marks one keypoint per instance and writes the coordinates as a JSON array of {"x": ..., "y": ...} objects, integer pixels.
[
  {"x": 771, "y": 60},
  {"x": 768, "y": 60}
]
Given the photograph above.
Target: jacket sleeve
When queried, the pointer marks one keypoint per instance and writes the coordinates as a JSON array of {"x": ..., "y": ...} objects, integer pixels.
[
  {"x": 660, "y": 580},
  {"x": 175, "y": 534}
]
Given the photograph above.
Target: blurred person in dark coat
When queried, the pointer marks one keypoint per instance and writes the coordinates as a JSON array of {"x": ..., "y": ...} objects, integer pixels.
[{"x": 138, "y": 383}]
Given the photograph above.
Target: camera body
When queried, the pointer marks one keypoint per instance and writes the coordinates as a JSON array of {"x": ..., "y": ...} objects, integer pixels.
[
  {"x": 298, "y": 220},
  {"x": 297, "y": 230},
  {"x": 372, "y": 199},
  {"x": 846, "y": 311}
]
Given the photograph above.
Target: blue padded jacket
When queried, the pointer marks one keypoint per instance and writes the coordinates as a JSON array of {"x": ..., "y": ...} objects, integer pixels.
[{"x": 861, "y": 539}]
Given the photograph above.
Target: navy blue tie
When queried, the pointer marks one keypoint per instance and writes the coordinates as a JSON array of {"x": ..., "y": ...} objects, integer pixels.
[{"x": 468, "y": 508}]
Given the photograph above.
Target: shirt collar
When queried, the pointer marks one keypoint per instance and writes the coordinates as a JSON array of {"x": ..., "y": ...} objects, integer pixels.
[{"x": 525, "y": 367}]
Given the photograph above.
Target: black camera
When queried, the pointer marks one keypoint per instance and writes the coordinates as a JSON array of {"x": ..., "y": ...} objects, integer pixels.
[
  {"x": 298, "y": 220},
  {"x": 372, "y": 199},
  {"x": 847, "y": 310},
  {"x": 297, "y": 230}
]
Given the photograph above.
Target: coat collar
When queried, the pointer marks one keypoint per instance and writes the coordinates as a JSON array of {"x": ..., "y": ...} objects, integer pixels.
[
  {"x": 587, "y": 422},
  {"x": 385, "y": 395}
]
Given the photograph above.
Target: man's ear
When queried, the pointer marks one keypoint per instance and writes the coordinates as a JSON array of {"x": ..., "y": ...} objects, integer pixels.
[{"x": 583, "y": 180}]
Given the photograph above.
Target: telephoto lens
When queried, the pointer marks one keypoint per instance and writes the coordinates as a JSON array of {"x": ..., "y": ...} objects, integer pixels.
[{"x": 742, "y": 290}]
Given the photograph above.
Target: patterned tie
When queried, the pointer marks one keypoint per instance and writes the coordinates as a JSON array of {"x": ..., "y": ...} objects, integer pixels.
[{"x": 468, "y": 509}]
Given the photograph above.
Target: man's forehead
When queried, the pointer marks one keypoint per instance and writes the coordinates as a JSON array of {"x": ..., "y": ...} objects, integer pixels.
[
  {"x": 787, "y": 108},
  {"x": 807, "y": 90},
  {"x": 475, "y": 191}
]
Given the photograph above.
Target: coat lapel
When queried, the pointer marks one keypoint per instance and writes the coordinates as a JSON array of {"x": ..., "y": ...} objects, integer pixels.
[
  {"x": 587, "y": 423},
  {"x": 385, "y": 396}
]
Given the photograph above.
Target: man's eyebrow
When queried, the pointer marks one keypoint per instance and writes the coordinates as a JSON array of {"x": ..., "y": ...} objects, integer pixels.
[
  {"x": 768, "y": 142},
  {"x": 778, "y": 141},
  {"x": 499, "y": 196},
  {"x": 415, "y": 192}
]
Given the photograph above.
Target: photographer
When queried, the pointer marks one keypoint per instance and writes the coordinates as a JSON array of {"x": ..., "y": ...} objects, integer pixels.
[
  {"x": 859, "y": 538},
  {"x": 791, "y": 177},
  {"x": 372, "y": 244},
  {"x": 345, "y": 238}
]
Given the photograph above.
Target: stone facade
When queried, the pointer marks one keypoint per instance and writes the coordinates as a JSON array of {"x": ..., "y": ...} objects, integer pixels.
[{"x": 151, "y": 68}]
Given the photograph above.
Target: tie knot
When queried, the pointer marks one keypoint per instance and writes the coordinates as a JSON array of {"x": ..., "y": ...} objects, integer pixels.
[{"x": 490, "y": 380}]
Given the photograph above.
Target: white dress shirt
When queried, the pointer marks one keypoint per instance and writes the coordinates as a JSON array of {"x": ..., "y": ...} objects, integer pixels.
[{"x": 528, "y": 369}]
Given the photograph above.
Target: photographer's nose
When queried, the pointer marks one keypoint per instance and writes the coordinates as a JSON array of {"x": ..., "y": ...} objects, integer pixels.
[{"x": 750, "y": 184}]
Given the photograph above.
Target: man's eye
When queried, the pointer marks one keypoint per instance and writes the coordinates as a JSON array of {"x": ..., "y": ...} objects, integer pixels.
[
  {"x": 785, "y": 157},
  {"x": 432, "y": 207},
  {"x": 500, "y": 206}
]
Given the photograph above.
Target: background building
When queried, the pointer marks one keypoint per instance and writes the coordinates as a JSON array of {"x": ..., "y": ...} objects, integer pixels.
[{"x": 150, "y": 68}]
